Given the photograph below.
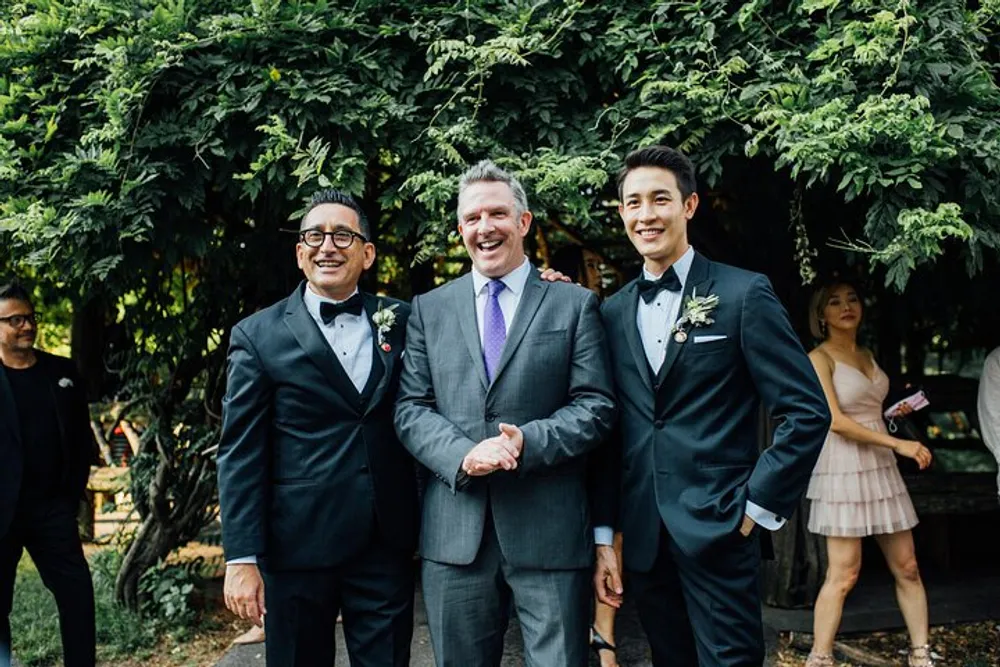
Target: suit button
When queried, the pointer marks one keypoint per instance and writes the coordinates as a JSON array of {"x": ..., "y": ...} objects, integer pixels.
[
  {"x": 658, "y": 423},
  {"x": 491, "y": 416},
  {"x": 364, "y": 469},
  {"x": 656, "y": 387}
]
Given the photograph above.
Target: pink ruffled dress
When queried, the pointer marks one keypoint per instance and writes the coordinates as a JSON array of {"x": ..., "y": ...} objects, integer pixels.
[{"x": 856, "y": 489}]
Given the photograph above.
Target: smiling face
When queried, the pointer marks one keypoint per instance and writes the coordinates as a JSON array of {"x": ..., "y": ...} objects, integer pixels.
[
  {"x": 333, "y": 272},
  {"x": 843, "y": 309},
  {"x": 656, "y": 216},
  {"x": 492, "y": 228}
]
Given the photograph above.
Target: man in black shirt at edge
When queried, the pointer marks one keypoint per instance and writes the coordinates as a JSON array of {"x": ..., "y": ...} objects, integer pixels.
[{"x": 46, "y": 447}]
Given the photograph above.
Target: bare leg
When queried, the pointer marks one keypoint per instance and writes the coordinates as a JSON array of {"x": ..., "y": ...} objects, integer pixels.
[
  {"x": 604, "y": 616},
  {"x": 844, "y": 554},
  {"x": 910, "y": 593}
]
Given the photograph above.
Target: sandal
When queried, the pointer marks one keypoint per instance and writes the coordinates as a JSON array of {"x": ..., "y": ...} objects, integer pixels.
[
  {"x": 599, "y": 643},
  {"x": 820, "y": 660},
  {"x": 920, "y": 656}
]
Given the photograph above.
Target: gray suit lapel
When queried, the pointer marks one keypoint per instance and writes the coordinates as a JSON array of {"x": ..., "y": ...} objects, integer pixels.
[
  {"x": 469, "y": 325},
  {"x": 632, "y": 338},
  {"x": 534, "y": 290},
  {"x": 309, "y": 337},
  {"x": 8, "y": 411},
  {"x": 700, "y": 280}
]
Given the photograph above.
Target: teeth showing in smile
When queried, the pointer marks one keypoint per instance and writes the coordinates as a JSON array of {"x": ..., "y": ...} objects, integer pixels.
[
  {"x": 489, "y": 245},
  {"x": 328, "y": 264},
  {"x": 649, "y": 233}
]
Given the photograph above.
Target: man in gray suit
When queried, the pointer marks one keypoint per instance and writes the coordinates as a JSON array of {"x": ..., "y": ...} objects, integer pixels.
[{"x": 505, "y": 387}]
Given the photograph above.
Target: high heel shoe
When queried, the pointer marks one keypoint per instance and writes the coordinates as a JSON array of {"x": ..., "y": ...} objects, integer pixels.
[
  {"x": 920, "y": 656},
  {"x": 599, "y": 643}
]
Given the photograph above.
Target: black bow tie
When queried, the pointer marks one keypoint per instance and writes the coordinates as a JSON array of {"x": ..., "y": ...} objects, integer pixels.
[
  {"x": 328, "y": 310},
  {"x": 648, "y": 289}
]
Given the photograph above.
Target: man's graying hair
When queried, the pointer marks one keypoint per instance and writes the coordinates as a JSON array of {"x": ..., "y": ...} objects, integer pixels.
[{"x": 485, "y": 171}]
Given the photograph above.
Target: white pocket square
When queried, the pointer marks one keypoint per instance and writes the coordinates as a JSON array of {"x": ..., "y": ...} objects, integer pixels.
[
  {"x": 65, "y": 383},
  {"x": 708, "y": 339}
]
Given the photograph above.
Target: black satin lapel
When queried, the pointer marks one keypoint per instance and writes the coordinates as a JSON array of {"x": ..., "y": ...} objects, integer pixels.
[
  {"x": 57, "y": 400},
  {"x": 534, "y": 290},
  {"x": 382, "y": 361},
  {"x": 469, "y": 325},
  {"x": 8, "y": 411},
  {"x": 632, "y": 337},
  {"x": 698, "y": 281},
  {"x": 309, "y": 337}
]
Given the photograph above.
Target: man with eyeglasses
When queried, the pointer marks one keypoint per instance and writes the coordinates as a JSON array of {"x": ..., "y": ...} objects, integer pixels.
[
  {"x": 318, "y": 497},
  {"x": 46, "y": 448}
]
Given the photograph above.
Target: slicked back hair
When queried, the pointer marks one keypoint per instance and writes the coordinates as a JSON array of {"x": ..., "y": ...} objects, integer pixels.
[
  {"x": 485, "y": 171},
  {"x": 663, "y": 157},
  {"x": 334, "y": 196},
  {"x": 14, "y": 290}
]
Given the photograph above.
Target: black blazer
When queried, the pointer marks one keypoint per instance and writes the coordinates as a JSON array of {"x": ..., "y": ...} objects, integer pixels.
[
  {"x": 687, "y": 438},
  {"x": 79, "y": 449},
  {"x": 308, "y": 467}
]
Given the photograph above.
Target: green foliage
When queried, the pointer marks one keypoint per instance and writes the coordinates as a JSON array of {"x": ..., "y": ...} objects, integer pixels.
[
  {"x": 168, "y": 593},
  {"x": 35, "y": 619}
]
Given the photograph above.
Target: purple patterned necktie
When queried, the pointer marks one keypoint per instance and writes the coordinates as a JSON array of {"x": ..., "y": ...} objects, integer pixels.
[{"x": 494, "y": 328}]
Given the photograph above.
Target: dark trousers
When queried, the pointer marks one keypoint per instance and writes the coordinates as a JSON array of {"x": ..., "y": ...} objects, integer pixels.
[
  {"x": 374, "y": 593},
  {"x": 48, "y": 530},
  {"x": 704, "y": 611}
]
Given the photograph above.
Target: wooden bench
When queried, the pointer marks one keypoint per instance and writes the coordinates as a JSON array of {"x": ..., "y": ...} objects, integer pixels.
[{"x": 104, "y": 481}]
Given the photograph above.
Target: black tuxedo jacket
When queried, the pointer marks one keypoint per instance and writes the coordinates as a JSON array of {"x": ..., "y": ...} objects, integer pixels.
[
  {"x": 687, "y": 445},
  {"x": 306, "y": 464},
  {"x": 79, "y": 450}
]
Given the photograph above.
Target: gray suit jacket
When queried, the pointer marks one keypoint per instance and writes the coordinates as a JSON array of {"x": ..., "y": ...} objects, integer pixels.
[{"x": 553, "y": 381}]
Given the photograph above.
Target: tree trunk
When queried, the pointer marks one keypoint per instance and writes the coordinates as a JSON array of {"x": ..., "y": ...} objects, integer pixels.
[{"x": 151, "y": 544}]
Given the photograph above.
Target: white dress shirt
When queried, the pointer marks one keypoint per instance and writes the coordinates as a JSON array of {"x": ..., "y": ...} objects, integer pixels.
[
  {"x": 350, "y": 337},
  {"x": 989, "y": 405},
  {"x": 508, "y": 298},
  {"x": 655, "y": 321}
]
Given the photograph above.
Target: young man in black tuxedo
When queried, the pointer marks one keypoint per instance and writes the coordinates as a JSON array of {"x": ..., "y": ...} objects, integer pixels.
[
  {"x": 318, "y": 497},
  {"x": 46, "y": 448},
  {"x": 697, "y": 347}
]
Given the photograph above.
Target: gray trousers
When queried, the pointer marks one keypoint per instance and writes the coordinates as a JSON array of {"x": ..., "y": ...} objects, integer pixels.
[{"x": 468, "y": 607}]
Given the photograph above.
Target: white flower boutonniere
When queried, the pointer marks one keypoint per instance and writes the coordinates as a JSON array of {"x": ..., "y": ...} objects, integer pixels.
[
  {"x": 384, "y": 320},
  {"x": 697, "y": 311},
  {"x": 65, "y": 383}
]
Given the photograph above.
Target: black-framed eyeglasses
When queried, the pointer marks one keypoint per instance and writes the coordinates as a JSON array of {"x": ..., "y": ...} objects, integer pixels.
[
  {"x": 342, "y": 238},
  {"x": 18, "y": 321}
]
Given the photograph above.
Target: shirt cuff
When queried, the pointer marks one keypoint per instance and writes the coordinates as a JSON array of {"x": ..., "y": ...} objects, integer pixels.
[
  {"x": 244, "y": 560},
  {"x": 764, "y": 518},
  {"x": 604, "y": 536}
]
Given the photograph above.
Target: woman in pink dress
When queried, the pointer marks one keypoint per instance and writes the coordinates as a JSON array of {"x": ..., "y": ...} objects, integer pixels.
[{"x": 856, "y": 489}]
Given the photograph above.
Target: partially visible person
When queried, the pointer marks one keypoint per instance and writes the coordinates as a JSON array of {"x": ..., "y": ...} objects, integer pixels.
[
  {"x": 582, "y": 266},
  {"x": 46, "y": 449},
  {"x": 856, "y": 489},
  {"x": 988, "y": 406}
]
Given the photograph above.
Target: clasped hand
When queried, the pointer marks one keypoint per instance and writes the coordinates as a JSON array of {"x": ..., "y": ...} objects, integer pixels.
[{"x": 500, "y": 452}]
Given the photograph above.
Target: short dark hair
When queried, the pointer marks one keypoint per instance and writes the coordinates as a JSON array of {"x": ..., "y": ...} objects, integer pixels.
[
  {"x": 16, "y": 291},
  {"x": 663, "y": 157},
  {"x": 334, "y": 196}
]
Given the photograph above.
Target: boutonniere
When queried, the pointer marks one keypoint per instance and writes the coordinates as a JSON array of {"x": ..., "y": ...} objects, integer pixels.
[
  {"x": 384, "y": 320},
  {"x": 65, "y": 383},
  {"x": 697, "y": 311}
]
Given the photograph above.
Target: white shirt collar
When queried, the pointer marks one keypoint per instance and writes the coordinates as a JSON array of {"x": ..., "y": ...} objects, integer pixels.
[
  {"x": 681, "y": 267},
  {"x": 514, "y": 280},
  {"x": 313, "y": 300}
]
